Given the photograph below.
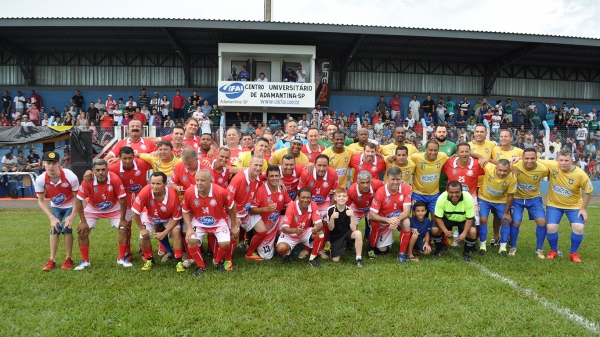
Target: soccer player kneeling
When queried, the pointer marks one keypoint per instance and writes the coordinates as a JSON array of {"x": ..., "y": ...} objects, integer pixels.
[
  {"x": 342, "y": 227},
  {"x": 420, "y": 227}
]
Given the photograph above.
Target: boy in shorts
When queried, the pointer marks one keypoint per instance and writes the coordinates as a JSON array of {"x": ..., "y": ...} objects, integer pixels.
[
  {"x": 342, "y": 227},
  {"x": 420, "y": 227}
]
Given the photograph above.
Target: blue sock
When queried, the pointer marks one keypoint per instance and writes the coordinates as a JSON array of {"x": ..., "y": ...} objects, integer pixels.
[
  {"x": 514, "y": 235},
  {"x": 540, "y": 234},
  {"x": 483, "y": 229},
  {"x": 575, "y": 242},
  {"x": 553, "y": 241},
  {"x": 504, "y": 233},
  {"x": 165, "y": 242}
]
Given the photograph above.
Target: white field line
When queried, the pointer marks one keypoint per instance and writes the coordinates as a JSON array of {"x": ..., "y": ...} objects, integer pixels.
[{"x": 570, "y": 315}]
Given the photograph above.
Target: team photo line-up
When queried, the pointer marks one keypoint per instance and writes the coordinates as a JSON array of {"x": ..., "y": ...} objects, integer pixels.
[{"x": 310, "y": 198}]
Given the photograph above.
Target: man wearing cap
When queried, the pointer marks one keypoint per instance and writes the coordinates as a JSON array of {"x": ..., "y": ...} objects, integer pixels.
[
  {"x": 26, "y": 121},
  {"x": 295, "y": 149},
  {"x": 110, "y": 104},
  {"x": 301, "y": 74},
  {"x": 60, "y": 185},
  {"x": 289, "y": 75}
]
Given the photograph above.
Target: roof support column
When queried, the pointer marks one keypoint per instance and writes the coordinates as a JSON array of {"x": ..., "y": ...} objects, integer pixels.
[
  {"x": 183, "y": 55},
  {"x": 24, "y": 59},
  {"x": 493, "y": 67},
  {"x": 348, "y": 60}
]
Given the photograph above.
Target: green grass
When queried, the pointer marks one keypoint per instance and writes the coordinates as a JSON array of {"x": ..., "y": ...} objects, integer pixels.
[{"x": 436, "y": 297}]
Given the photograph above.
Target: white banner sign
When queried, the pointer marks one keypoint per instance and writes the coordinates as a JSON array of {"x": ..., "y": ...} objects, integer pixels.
[{"x": 272, "y": 94}]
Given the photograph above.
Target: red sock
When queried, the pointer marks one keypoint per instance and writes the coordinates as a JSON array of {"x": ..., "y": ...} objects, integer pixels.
[
  {"x": 178, "y": 253},
  {"x": 375, "y": 230},
  {"x": 147, "y": 253},
  {"x": 230, "y": 251},
  {"x": 404, "y": 240},
  {"x": 257, "y": 239},
  {"x": 221, "y": 252},
  {"x": 122, "y": 249},
  {"x": 160, "y": 246},
  {"x": 84, "y": 250},
  {"x": 195, "y": 254},
  {"x": 306, "y": 248},
  {"x": 318, "y": 244}
]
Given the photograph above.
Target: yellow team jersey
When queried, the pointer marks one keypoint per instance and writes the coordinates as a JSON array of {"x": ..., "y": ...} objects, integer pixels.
[
  {"x": 160, "y": 166},
  {"x": 407, "y": 170},
  {"x": 356, "y": 147},
  {"x": 494, "y": 189},
  {"x": 484, "y": 149},
  {"x": 243, "y": 160},
  {"x": 427, "y": 173},
  {"x": 528, "y": 181},
  {"x": 565, "y": 187},
  {"x": 390, "y": 149},
  {"x": 514, "y": 152},
  {"x": 276, "y": 157},
  {"x": 340, "y": 162}
]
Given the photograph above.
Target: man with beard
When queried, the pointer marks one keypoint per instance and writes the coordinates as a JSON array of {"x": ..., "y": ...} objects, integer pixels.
[
  {"x": 445, "y": 146},
  {"x": 312, "y": 149},
  {"x": 367, "y": 160},
  {"x": 400, "y": 137},
  {"x": 339, "y": 158},
  {"x": 134, "y": 141},
  {"x": 294, "y": 149}
]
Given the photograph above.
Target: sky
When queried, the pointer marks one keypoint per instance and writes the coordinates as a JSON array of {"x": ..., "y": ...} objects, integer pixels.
[{"x": 553, "y": 17}]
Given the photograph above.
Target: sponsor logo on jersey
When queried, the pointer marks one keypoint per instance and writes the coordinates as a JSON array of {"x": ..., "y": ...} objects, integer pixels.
[
  {"x": 394, "y": 214},
  {"x": 104, "y": 205},
  {"x": 59, "y": 199},
  {"x": 318, "y": 199},
  {"x": 494, "y": 192},
  {"x": 429, "y": 178},
  {"x": 561, "y": 190},
  {"x": 292, "y": 194},
  {"x": 526, "y": 187},
  {"x": 134, "y": 188},
  {"x": 274, "y": 216},
  {"x": 207, "y": 220},
  {"x": 157, "y": 221}
]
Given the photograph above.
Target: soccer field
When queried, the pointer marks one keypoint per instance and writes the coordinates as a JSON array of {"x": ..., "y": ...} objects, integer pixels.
[{"x": 493, "y": 296}]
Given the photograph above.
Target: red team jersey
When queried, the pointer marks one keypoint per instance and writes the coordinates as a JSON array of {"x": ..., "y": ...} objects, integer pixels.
[
  {"x": 235, "y": 153},
  {"x": 390, "y": 205},
  {"x": 133, "y": 180},
  {"x": 181, "y": 176},
  {"x": 102, "y": 198},
  {"x": 159, "y": 212},
  {"x": 357, "y": 163},
  {"x": 290, "y": 182},
  {"x": 467, "y": 176},
  {"x": 294, "y": 218},
  {"x": 312, "y": 155},
  {"x": 222, "y": 179},
  {"x": 61, "y": 193},
  {"x": 321, "y": 187},
  {"x": 209, "y": 211},
  {"x": 194, "y": 142},
  {"x": 143, "y": 146},
  {"x": 243, "y": 191},
  {"x": 359, "y": 202},
  {"x": 264, "y": 198}
]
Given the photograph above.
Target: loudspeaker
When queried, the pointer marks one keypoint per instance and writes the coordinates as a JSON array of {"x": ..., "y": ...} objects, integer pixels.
[{"x": 81, "y": 153}]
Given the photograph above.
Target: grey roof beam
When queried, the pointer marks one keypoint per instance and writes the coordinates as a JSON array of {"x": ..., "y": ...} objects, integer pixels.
[
  {"x": 359, "y": 40},
  {"x": 183, "y": 54},
  {"x": 492, "y": 69},
  {"x": 24, "y": 59}
]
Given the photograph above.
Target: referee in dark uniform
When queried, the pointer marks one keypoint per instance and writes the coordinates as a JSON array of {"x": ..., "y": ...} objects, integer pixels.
[{"x": 454, "y": 207}]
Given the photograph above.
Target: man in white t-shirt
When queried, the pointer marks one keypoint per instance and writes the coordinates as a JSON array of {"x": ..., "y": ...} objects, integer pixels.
[
  {"x": 20, "y": 102},
  {"x": 574, "y": 110},
  {"x": 317, "y": 110},
  {"x": 413, "y": 107},
  {"x": 262, "y": 78},
  {"x": 301, "y": 74},
  {"x": 411, "y": 120}
]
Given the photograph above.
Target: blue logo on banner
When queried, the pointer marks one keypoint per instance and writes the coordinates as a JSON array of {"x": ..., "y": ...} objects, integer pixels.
[{"x": 232, "y": 90}]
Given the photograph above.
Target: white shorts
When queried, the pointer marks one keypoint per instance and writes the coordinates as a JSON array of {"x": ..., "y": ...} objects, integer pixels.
[
  {"x": 113, "y": 217},
  {"x": 386, "y": 237},
  {"x": 220, "y": 231},
  {"x": 323, "y": 207},
  {"x": 266, "y": 248},
  {"x": 247, "y": 224},
  {"x": 293, "y": 240},
  {"x": 358, "y": 215},
  {"x": 151, "y": 226}
]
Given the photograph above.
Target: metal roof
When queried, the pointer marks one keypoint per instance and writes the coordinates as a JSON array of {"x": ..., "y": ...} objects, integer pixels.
[{"x": 151, "y": 35}]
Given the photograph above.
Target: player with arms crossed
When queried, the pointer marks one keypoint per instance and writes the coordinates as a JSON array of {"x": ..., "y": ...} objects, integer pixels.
[
  {"x": 342, "y": 227},
  {"x": 60, "y": 185}
]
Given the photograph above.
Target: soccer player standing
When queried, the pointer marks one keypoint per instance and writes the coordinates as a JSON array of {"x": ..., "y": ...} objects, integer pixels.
[
  {"x": 564, "y": 197},
  {"x": 360, "y": 196},
  {"x": 60, "y": 185},
  {"x": 400, "y": 137},
  {"x": 400, "y": 160},
  {"x": 339, "y": 157},
  {"x": 428, "y": 167},
  {"x": 367, "y": 160}
]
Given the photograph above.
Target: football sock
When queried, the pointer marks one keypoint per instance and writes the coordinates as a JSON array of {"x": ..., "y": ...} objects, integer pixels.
[
  {"x": 540, "y": 235},
  {"x": 483, "y": 231},
  {"x": 553, "y": 241},
  {"x": 195, "y": 254},
  {"x": 178, "y": 254},
  {"x": 404, "y": 240},
  {"x": 147, "y": 253},
  {"x": 231, "y": 250},
  {"x": 437, "y": 240},
  {"x": 514, "y": 235},
  {"x": 84, "y": 250},
  {"x": 575, "y": 242},
  {"x": 165, "y": 242},
  {"x": 504, "y": 233},
  {"x": 122, "y": 249},
  {"x": 469, "y": 244},
  {"x": 317, "y": 246},
  {"x": 502, "y": 246},
  {"x": 221, "y": 252},
  {"x": 358, "y": 257},
  {"x": 257, "y": 239}
]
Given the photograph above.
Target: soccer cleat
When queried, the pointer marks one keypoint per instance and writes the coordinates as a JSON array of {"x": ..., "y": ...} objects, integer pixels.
[
  {"x": 286, "y": 259},
  {"x": 467, "y": 257},
  {"x": 254, "y": 257},
  {"x": 371, "y": 254},
  {"x": 148, "y": 265},
  {"x": 440, "y": 252},
  {"x": 49, "y": 266},
  {"x": 482, "y": 251},
  {"x": 187, "y": 263},
  {"x": 503, "y": 253},
  {"x": 199, "y": 271},
  {"x": 359, "y": 263},
  {"x": 82, "y": 265},
  {"x": 540, "y": 254},
  {"x": 179, "y": 267},
  {"x": 128, "y": 257},
  {"x": 161, "y": 249},
  {"x": 512, "y": 251},
  {"x": 167, "y": 257},
  {"x": 575, "y": 257},
  {"x": 123, "y": 262},
  {"x": 228, "y": 265},
  {"x": 242, "y": 246},
  {"x": 323, "y": 255},
  {"x": 303, "y": 254},
  {"x": 220, "y": 267},
  {"x": 68, "y": 264},
  {"x": 495, "y": 243},
  {"x": 552, "y": 254},
  {"x": 402, "y": 258},
  {"x": 313, "y": 263},
  {"x": 327, "y": 246},
  {"x": 209, "y": 253}
]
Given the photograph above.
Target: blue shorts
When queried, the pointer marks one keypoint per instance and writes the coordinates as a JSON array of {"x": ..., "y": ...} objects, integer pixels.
[
  {"x": 420, "y": 244},
  {"x": 535, "y": 207},
  {"x": 485, "y": 207},
  {"x": 61, "y": 214},
  {"x": 555, "y": 215},
  {"x": 429, "y": 200}
]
